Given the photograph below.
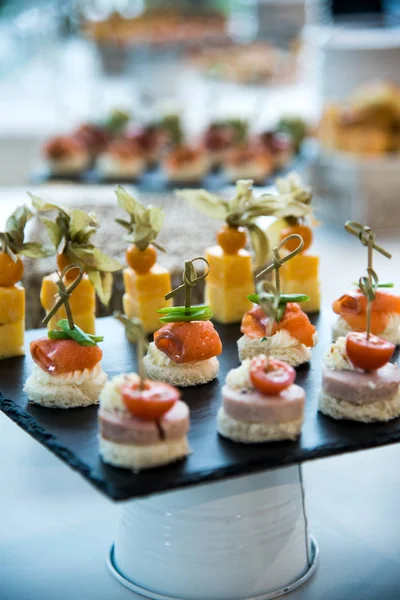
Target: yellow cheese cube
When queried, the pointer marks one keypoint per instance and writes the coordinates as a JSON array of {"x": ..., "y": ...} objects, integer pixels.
[
  {"x": 306, "y": 286},
  {"x": 300, "y": 267},
  {"x": 157, "y": 282},
  {"x": 229, "y": 270},
  {"x": 228, "y": 304},
  {"x": 12, "y": 304},
  {"x": 145, "y": 311},
  {"x": 86, "y": 321},
  {"x": 12, "y": 339},
  {"x": 82, "y": 300}
]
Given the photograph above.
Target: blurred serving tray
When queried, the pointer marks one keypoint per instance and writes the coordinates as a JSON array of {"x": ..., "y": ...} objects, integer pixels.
[
  {"x": 155, "y": 180},
  {"x": 72, "y": 434}
]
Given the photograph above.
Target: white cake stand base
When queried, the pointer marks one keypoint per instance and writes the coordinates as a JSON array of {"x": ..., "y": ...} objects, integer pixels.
[{"x": 241, "y": 539}]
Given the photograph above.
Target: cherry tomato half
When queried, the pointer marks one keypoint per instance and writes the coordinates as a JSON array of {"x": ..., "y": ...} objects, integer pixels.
[
  {"x": 152, "y": 402},
  {"x": 271, "y": 376},
  {"x": 370, "y": 354}
]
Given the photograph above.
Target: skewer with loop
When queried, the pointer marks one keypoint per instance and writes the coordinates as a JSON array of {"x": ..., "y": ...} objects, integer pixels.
[
  {"x": 367, "y": 236},
  {"x": 279, "y": 260},
  {"x": 269, "y": 298},
  {"x": 173, "y": 314},
  {"x": 135, "y": 333},
  {"x": 368, "y": 284},
  {"x": 64, "y": 294}
]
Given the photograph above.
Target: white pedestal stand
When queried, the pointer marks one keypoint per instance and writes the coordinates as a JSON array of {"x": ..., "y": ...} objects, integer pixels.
[{"x": 240, "y": 539}]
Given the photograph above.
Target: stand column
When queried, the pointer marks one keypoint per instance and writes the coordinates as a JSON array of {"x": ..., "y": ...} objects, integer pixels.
[{"x": 238, "y": 539}]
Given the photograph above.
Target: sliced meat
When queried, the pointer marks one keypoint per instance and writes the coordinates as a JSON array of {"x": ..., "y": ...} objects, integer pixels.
[
  {"x": 254, "y": 407},
  {"x": 127, "y": 429},
  {"x": 362, "y": 388}
]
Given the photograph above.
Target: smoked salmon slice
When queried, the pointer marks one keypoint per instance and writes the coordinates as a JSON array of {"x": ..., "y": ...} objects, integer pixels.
[
  {"x": 186, "y": 342},
  {"x": 294, "y": 321},
  {"x": 352, "y": 307},
  {"x": 57, "y": 357}
]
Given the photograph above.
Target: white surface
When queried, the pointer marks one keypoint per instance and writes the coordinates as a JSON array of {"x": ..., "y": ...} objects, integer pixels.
[
  {"x": 230, "y": 539},
  {"x": 55, "y": 530}
]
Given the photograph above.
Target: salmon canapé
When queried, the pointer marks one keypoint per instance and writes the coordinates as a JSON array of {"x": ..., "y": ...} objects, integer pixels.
[
  {"x": 58, "y": 357},
  {"x": 187, "y": 342},
  {"x": 294, "y": 321},
  {"x": 352, "y": 307}
]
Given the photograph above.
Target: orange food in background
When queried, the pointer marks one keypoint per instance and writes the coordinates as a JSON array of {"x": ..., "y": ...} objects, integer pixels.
[
  {"x": 141, "y": 261},
  {"x": 231, "y": 239},
  {"x": 11, "y": 271}
]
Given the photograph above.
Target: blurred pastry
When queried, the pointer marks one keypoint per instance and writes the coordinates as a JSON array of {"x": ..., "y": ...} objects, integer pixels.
[
  {"x": 221, "y": 136},
  {"x": 123, "y": 159},
  {"x": 279, "y": 145},
  {"x": 66, "y": 155},
  {"x": 368, "y": 123},
  {"x": 186, "y": 164},
  {"x": 95, "y": 137},
  {"x": 248, "y": 162},
  {"x": 151, "y": 139}
]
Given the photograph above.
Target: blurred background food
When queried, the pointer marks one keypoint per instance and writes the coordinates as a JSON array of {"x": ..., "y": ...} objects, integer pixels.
[
  {"x": 368, "y": 122},
  {"x": 163, "y": 94},
  {"x": 119, "y": 148}
]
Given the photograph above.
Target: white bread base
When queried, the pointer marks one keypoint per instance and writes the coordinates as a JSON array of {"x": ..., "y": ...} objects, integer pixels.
[
  {"x": 114, "y": 168},
  {"x": 294, "y": 355},
  {"x": 256, "y": 433},
  {"x": 383, "y": 411},
  {"x": 183, "y": 375},
  {"x": 130, "y": 456},
  {"x": 72, "y": 165},
  {"x": 65, "y": 395},
  {"x": 258, "y": 173},
  {"x": 342, "y": 328},
  {"x": 189, "y": 173}
]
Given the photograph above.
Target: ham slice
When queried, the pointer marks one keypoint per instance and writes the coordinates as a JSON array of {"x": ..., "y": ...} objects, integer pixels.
[
  {"x": 362, "y": 388},
  {"x": 251, "y": 406},
  {"x": 122, "y": 428}
]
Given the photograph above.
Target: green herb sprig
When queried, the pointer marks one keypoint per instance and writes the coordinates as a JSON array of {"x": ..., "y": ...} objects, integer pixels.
[
  {"x": 171, "y": 123},
  {"x": 68, "y": 329},
  {"x": 72, "y": 231},
  {"x": 295, "y": 127},
  {"x": 269, "y": 300},
  {"x": 275, "y": 266},
  {"x": 283, "y": 299},
  {"x": 145, "y": 223},
  {"x": 240, "y": 128},
  {"x": 188, "y": 312},
  {"x": 117, "y": 121},
  {"x": 379, "y": 285},
  {"x": 369, "y": 283},
  {"x": 135, "y": 333},
  {"x": 77, "y": 334}
]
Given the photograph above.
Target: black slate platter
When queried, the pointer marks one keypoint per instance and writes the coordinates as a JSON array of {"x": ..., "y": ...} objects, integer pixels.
[{"x": 72, "y": 434}]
